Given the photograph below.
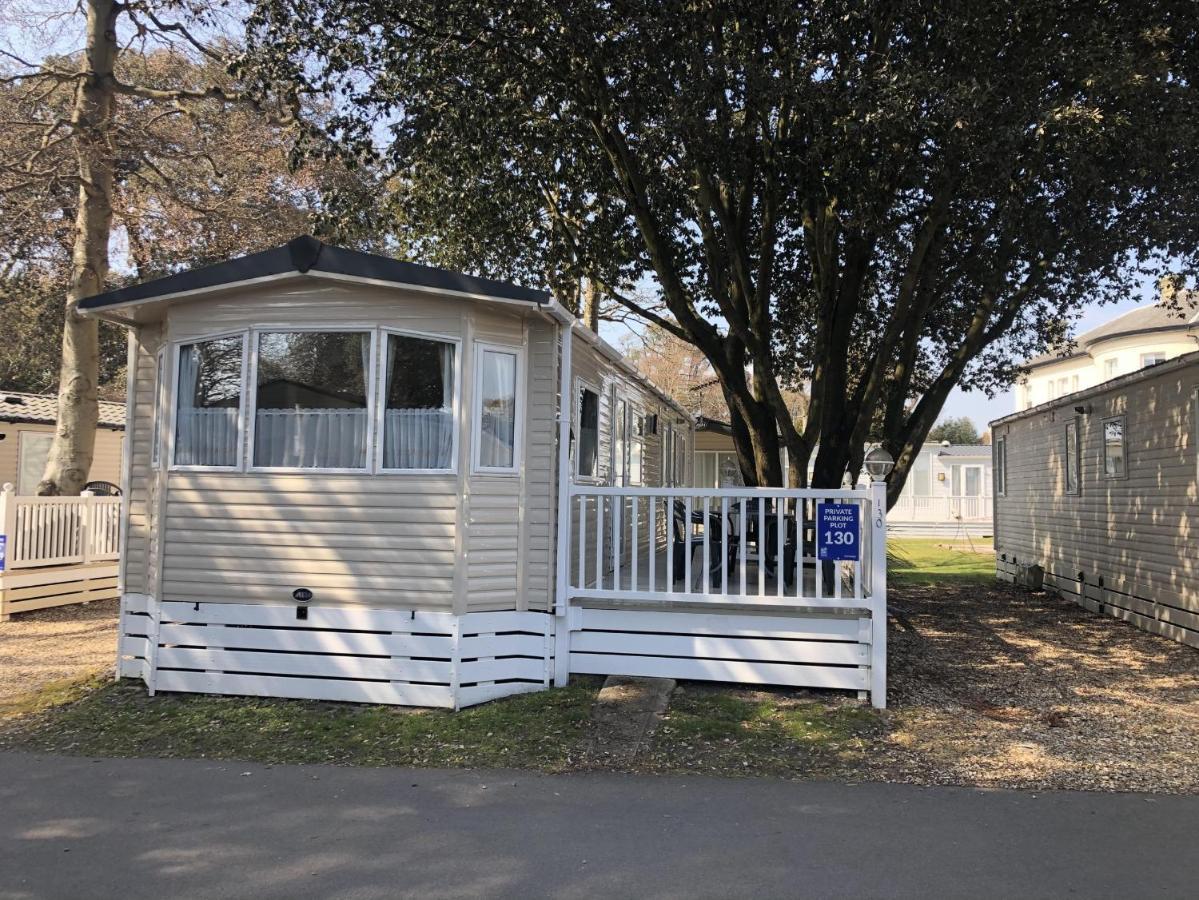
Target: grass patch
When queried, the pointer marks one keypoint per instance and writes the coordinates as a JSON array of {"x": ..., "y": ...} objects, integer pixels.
[
  {"x": 48, "y": 696},
  {"x": 734, "y": 731},
  {"x": 927, "y": 562},
  {"x": 533, "y": 731}
]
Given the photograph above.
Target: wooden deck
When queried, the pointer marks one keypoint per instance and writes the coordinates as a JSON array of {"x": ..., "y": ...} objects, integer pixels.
[{"x": 24, "y": 590}]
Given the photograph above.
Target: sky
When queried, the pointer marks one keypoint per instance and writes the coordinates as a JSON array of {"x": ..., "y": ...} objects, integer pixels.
[{"x": 981, "y": 409}]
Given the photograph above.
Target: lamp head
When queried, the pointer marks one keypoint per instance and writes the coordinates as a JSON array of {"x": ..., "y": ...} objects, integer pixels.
[{"x": 879, "y": 463}]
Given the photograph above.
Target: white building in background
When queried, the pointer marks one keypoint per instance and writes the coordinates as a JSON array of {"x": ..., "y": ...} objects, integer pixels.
[
  {"x": 1141, "y": 337},
  {"x": 949, "y": 485}
]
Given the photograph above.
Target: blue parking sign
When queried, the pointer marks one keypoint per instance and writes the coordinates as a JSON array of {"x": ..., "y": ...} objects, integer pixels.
[{"x": 838, "y": 531}]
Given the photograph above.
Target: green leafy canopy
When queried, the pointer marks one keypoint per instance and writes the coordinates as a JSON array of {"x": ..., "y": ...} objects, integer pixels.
[{"x": 871, "y": 201}]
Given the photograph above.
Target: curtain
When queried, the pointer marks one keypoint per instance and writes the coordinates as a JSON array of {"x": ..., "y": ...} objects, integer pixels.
[
  {"x": 310, "y": 438},
  {"x": 497, "y": 428},
  {"x": 204, "y": 436}
]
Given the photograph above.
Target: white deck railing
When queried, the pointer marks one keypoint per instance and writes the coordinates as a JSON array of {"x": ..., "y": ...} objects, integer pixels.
[
  {"x": 57, "y": 531},
  {"x": 708, "y": 544}
]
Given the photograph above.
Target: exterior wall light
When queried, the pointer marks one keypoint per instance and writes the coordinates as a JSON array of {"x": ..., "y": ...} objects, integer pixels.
[{"x": 879, "y": 463}]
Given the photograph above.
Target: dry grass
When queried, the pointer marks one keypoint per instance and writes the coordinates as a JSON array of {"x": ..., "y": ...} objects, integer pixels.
[{"x": 58, "y": 646}]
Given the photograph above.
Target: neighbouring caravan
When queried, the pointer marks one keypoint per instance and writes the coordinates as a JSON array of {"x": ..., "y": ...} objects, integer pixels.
[
  {"x": 27, "y": 428},
  {"x": 1100, "y": 490},
  {"x": 357, "y": 478}
]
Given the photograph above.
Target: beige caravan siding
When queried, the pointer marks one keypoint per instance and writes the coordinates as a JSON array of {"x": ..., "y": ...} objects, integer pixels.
[
  {"x": 496, "y": 523},
  {"x": 140, "y": 490},
  {"x": 541, "y": 464},
  {"x": 1138, "y": 534},
  {"x": 380, "y": 540}
]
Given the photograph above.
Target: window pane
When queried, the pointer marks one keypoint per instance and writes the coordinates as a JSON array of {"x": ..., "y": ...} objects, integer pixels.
[
  {"x": 705, "y": 470},
  {"x": 588, "y": 432},
  {"x": 1071, "y": 458},
  {"x": 1113, "y": 448},
  {"x": 209, "y": 401},
  {"x": 33, "y": 450},
  {"x": 730, "y": 471},
  {"x": 619, "y": 448},
  {"x": 311, "y": 409},
  {"x": 418, "y": 415},
  {"x": 497, "y": 430},
  {"x": 636, "y": 447}
]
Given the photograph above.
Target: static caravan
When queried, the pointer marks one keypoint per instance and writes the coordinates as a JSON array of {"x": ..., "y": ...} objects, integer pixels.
[
  {"x": 355, "y": 478},
  {"x": 27, "y": 428},
  {"x": 1099, "y": 489}
]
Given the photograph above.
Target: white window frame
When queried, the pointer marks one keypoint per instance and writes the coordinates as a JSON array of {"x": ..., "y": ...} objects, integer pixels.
[
  {"x": 667, "y": 473},
  {"x": 380, "y": 360},
  {"x": 1123, "y": 445},
  {"x": 243, "y": 401},
  {"x": 1157, "y": 356},
  {"x": 251, "y": 399},
  {"x": 582, "y": 384},
  {"x": 1073, "y": 459},
  {"x": 635, "y": 434},
  {"x": 160, "y": 369},
  {"x": 1000, "y": 465},
  {"x": 618, "y": 469},
  {"x": 1195, "y": 429},
  {"x": 476, "y": 416}
]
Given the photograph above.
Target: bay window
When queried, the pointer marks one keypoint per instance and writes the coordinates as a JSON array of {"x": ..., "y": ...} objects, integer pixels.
[
  {"x": 311, "y": 409},
  {"x": 497, "y": 377},
  {"x": 418, "y": 404},
  {"x": 208, "y": 402}
]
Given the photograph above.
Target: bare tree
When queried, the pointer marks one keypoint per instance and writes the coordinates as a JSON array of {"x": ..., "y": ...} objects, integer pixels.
[{"x": 86, "y": 132}]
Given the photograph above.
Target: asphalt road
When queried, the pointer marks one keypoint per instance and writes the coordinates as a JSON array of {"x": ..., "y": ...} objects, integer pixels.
[{"x": 191, "y": 828}]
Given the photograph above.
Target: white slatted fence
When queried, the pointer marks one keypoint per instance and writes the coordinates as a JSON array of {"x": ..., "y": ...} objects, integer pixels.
[
  {"x": 58, "y": 531},
  {"x": 356, "y": 654}
]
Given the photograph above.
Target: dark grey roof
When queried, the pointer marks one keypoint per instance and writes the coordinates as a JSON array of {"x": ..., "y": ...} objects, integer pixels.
[
  {"x": 1154, "y": 317},
  {"x": 714, "y": 425},
  {"x": 963, "y": 450},
  {"x": 18, "y": 407},
  {"x": 306, "y": 254}
]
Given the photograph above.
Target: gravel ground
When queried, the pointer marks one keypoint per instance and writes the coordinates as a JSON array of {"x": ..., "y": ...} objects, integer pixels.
[
  {"x": 50, "y": 645},
  {"x": 998, "y": 687}
]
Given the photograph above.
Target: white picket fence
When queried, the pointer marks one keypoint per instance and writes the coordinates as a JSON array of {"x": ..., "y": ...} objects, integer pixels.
[{"x": 59, "y": 531}]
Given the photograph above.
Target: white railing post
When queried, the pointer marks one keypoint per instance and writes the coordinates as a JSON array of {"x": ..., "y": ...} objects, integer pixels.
[
  {"x": 85, "y": 524},
  {"x": 562, "y": 556},
  {"x": 878, "y": 594},
  {"x": 8, "y": 526}
]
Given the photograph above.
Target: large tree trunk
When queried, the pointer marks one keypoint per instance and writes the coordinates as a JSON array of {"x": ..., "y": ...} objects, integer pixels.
[
  {"x": 70, "y": 457},
  {"x": 590, "y": 312}
]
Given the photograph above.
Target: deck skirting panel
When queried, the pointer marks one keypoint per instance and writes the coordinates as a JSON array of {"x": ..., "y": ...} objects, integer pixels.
[
  {"x": 348, "y": 653},
  {"x": 796, "y": 650}
]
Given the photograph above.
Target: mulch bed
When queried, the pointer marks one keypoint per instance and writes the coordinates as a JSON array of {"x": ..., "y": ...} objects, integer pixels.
[{"x": 996, "y": 686}]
